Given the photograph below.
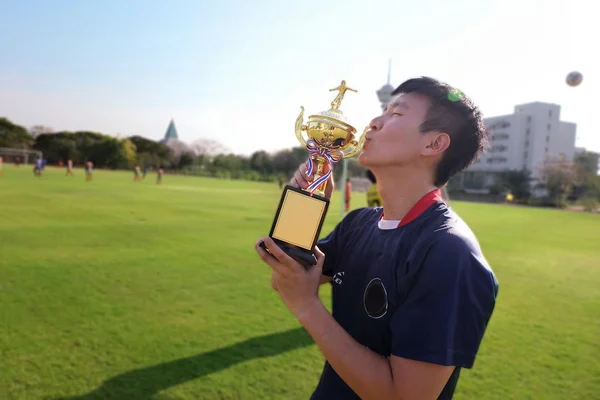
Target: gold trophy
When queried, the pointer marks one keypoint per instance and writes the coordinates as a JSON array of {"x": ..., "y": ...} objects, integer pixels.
[{"x": 301, "y": 212}]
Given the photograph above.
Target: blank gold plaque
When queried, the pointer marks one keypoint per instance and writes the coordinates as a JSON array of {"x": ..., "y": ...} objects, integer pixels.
[{"x": 299, "y": 219}]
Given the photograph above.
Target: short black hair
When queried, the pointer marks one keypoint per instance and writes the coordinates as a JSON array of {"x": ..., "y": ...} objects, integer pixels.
[{"x": 453, "y": 113}]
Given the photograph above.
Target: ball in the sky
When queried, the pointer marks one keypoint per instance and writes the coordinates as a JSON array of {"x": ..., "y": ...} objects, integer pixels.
[{"x": 574, "y": 78}]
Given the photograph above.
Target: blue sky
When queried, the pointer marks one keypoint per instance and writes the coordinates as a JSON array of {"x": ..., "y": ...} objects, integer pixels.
[{"x": 238, "y": 72}]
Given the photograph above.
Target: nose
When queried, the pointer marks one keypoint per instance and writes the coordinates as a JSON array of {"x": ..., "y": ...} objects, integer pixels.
[{"x": 376, "y": 124}]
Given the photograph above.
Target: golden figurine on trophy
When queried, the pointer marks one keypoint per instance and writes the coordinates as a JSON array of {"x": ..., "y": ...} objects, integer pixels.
[{"x": 301, "y": 212}]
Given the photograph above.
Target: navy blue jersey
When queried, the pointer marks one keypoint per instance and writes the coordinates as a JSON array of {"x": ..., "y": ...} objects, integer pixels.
[{"x": 422, "y": 290}]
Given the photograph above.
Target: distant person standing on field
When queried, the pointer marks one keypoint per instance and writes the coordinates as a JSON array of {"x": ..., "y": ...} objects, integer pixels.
[
  {"x": 89, "y": 167},
  {"x": 37, "y": 168},
  {"x": 69, "y": 168},
  {"x": 137, "y": 173},
  {"x": 1, "y": 166},
  {"x": 348, "y": 194},
  {"x": 373, "y": 196}
]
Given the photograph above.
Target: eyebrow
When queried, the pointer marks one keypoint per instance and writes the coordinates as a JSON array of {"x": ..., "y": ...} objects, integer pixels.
[{"x": 399, "y": 104}]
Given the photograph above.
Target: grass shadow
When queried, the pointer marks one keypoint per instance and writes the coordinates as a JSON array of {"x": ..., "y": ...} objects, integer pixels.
[{"x": 144, "y": 383}]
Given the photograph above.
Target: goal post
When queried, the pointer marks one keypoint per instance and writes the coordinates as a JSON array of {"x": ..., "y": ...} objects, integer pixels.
[{"x": 26, "y": 156}]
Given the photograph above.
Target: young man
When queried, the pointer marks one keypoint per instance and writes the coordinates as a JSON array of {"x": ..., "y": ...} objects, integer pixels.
[{"x": 412, "y": 292}]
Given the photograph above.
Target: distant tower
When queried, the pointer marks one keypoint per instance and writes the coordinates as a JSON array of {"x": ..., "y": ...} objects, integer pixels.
[
  {"x": 385, "y": 93},
  {"x": 171, "y": 131},
  {"x": 171, "y": 139}
]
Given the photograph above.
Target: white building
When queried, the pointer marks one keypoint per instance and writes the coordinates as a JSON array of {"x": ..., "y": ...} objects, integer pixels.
[{"x": 522, "y": 140}]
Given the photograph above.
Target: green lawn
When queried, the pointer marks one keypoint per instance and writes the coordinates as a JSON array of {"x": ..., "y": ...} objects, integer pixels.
[{"x": 112, "y": 289}]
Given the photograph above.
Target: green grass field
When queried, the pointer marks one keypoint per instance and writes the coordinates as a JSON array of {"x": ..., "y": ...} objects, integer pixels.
[{"x": 112, "y": 289}]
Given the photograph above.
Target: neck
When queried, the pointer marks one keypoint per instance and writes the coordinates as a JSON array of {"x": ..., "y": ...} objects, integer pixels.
[{"x": 401, "y": 188}]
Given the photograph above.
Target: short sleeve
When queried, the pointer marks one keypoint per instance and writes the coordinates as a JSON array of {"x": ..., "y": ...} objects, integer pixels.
[
  {"x": 328, "y": 245},
  {"x": 447, "y": 307}
]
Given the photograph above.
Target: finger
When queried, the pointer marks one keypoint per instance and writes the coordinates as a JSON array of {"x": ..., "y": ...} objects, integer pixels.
[
  {"x": 298, "y": 182},
  {"x": 271, "y": 261},
  {"x": 304, "y": 170},
  {"x": 326, "y": 168},
  {"x": 330, "y": 186},
  {"x": 329, "y": 189},
  {"x": 320, "y": 255},
  {"x": 294, "y": 182},
  {"x": 280, "y": 255},
  {"x": 274, "y": 281},
  {"x": 303, "y": 167},
  {"x": 300, "y": 177},
  {"x": 320, "y": 259},
  {"x": 276, "y": 251},
  {"x": 317, "y": 270}
]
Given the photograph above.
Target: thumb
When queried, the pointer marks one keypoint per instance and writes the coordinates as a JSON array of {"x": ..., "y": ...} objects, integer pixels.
[
  {"x": 320, "y": 259},
  {"x": 330, "y": 183}
]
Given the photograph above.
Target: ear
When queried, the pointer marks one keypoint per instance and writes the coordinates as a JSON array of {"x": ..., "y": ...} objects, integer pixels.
[{"x": 435, "y": 143}]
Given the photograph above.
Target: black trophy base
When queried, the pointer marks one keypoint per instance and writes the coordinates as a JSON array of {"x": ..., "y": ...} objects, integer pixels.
[
  {"x": 307, "y": 259},
  {"x": 297, "y": 224}
]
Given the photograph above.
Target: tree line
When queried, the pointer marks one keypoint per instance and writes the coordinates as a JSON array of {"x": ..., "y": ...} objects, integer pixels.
[
  {"x": 111, "y": 152},
  {"x": 564, "y": 181}
]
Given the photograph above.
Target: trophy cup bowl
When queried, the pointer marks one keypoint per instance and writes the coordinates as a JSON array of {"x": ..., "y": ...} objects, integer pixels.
[
  {"x": 329, "y": 129},
  {"x": 301, "y": 212},
  {"x": 330, "y": 138}
]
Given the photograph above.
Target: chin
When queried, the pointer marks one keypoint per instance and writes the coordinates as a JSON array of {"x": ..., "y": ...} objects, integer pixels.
[
  {"x": 363, "y": 159},
  {"x": 368, "y": 158}
]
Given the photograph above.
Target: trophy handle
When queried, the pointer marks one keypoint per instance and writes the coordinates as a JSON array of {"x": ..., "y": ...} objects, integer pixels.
[
  {"x": 300, "y": 127},
  {"x": 356, "y": 147}
]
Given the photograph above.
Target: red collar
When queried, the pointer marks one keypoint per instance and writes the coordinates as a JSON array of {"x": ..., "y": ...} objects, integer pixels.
[{"x": 420, "y": 206}]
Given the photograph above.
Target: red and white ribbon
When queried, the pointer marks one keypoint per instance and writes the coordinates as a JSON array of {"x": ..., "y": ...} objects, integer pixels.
[{"x": 332, "y": 157}]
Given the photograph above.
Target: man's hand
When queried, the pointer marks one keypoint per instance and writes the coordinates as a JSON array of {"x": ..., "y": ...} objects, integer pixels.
[
  {"x": 302, "y": 180},
  {"x": 369, "y": 374},
  {"x": 297, "y": 287}
]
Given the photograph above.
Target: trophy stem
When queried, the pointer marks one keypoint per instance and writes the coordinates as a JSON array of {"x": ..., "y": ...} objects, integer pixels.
[{"x": 319, "y": 164}]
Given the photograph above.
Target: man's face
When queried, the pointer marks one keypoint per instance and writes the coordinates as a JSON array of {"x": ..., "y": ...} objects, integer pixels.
[{"x": 395, "y": 138}]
